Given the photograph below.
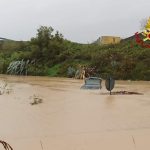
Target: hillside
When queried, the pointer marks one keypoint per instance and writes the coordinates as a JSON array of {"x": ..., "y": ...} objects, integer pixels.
[{"x": 53, "y": 55}]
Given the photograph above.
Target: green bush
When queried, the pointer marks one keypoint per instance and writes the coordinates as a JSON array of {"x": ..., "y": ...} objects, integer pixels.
[{"x": 54, "y": 71}]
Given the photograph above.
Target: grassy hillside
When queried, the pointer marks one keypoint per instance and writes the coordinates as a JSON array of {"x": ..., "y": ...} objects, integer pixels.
[{"x": 53, "y": 55}]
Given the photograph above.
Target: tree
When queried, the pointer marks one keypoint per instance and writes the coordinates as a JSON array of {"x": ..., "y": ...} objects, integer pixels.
[
  {"x": 44, "y": 35},
  {"x": 41, "y": 41}
]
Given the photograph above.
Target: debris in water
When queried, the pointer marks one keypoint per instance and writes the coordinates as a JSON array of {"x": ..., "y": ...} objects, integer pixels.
[
  {"x": 123, "y": 93},
  {"x": 36, "y": 100},
  {"x": 4, "y": 88}
]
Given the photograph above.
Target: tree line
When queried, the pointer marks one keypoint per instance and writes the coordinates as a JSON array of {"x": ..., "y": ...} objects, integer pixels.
[{"x": 53, "y": 55}]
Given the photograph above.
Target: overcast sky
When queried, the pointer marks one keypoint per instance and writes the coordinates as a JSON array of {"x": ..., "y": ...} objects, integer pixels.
[{"x": 78, "y": 20}]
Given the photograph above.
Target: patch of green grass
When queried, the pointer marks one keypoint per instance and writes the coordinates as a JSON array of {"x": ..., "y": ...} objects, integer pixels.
[{"x": 53, "y": 71}]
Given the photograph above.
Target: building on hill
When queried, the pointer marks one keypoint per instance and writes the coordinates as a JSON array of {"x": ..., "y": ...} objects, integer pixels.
[{"x": 105, "y": 40}]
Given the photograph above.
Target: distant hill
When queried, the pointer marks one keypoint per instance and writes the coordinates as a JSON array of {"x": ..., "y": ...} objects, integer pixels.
[
  {"x": 131, "y": 38},
  {"x": 1, "y": 38}
]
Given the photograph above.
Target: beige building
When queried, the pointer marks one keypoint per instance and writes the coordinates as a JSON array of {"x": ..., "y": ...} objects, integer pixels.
[{"x": 104, "y": 40}]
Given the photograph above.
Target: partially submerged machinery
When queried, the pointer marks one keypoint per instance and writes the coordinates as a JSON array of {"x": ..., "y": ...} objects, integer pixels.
[
  {"x": 96, "y": 83},
  {"x": 92, "y": 83}
]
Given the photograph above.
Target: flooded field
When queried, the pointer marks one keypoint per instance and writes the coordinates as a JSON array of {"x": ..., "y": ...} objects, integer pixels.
[{"x": 68, "y": 118}]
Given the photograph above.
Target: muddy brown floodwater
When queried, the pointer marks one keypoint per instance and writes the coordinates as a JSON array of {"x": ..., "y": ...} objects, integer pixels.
[{"x": 68, "y": 118}]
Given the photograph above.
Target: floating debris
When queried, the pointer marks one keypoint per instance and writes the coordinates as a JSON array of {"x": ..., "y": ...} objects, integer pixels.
[
  {"x": 36, "y": 100},
  {"x": 123, "y": 93},
  {"x": 4, "y": 88}
]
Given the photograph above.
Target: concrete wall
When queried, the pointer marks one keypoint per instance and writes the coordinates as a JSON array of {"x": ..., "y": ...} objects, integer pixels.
[{"x": 104, "y": 40}]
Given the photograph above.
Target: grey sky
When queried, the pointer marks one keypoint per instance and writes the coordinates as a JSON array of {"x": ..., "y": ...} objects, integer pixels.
[{"x": 78, "y": 20}]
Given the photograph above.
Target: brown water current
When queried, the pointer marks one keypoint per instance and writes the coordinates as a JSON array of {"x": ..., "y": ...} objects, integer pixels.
[{"x": 72, "y": 119}]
